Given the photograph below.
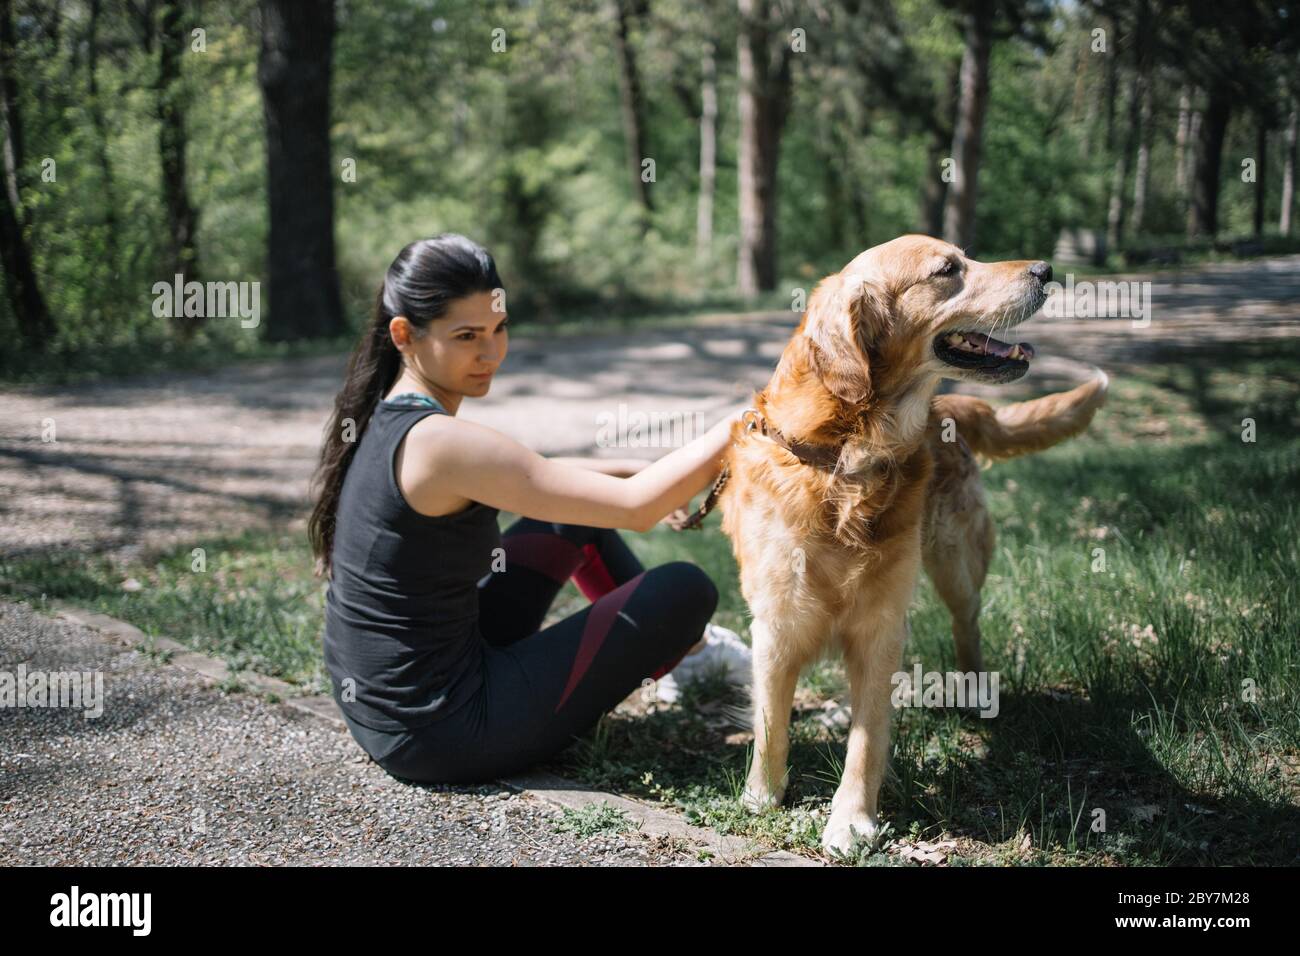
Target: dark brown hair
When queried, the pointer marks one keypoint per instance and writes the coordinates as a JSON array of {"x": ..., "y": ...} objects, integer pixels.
[{"x": 425, "y": 278}]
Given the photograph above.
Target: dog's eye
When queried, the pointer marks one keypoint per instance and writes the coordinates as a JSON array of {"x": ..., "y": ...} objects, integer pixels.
[{"x": 948, "y": 268}]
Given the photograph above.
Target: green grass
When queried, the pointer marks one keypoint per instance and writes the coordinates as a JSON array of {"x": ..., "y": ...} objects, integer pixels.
[
  {"x": 255, "y": 605},
  {"x": 1125, "y": 689},
  {"x": 593, "y": 819}
]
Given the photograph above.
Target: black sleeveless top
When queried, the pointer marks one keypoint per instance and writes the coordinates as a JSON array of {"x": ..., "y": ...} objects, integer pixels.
[{"x": 402, "y": 644}]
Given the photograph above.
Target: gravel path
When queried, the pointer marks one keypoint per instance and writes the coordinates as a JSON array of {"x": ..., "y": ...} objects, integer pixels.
[{"x": 176, "y": 773}]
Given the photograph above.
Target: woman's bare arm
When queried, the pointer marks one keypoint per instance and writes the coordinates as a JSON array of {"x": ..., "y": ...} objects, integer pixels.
[
  {"x": 485, "y": 465},
  {"x": 618, "y": 467}
]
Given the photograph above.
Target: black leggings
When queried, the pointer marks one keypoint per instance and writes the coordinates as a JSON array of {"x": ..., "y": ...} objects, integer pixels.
[{"x": 543, "y": 688}]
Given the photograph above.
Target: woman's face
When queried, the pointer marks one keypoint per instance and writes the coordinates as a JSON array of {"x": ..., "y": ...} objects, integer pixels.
[{"x": 462, "y": 350}]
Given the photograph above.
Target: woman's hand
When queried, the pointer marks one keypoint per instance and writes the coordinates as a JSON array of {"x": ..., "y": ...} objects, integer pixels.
[{"x": 676, "y": 517}]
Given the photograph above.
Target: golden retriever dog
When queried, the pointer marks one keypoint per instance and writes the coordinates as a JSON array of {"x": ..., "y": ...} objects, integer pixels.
[{"x": 850, "y": 474}]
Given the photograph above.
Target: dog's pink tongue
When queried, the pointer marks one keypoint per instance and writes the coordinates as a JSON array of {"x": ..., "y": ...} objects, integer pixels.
[
  {"x": 991, "y": 345},
  {"x": 1000, "y": 349}
]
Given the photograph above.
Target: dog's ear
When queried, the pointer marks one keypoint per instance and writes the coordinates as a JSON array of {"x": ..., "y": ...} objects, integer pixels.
[{"x": 847, "y": 315}]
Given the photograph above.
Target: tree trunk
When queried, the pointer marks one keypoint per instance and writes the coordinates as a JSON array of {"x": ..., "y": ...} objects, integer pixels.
[
  {"x": 1203, "y": 214},
  {"x": 1261, "y": 175},
  {"x": 763, "y": 72},
  {"x": 968, "y": 130},
  {"x": 100, "y": 124},
  {"x": 1112, "y": 80},
  {"x": 1181, "y": 141},
  {"x": 1189, "y": 157},
  {"x": 1080, "y": 81},
  {"x": 833, "y": 187},
  {"x": 294, "y": 73},
  {"x": 182, "y": 217},
  {"x": 934, "y": 190},
  {"x": 1288, "y": 174},
  {"x": 1142, "y": 174},
  {"x": 34, "y": 321},
  {"x": 1132, "y": 132},
  {"x": 1115, "y": 213},
  {"x": 631, "y": 101},
  {"x": 1087, "y": 141},
  {"x": 708, "y": 154}
]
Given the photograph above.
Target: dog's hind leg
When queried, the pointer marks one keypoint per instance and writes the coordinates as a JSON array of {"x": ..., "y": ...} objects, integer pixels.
[{"x": 958, "y": 551}]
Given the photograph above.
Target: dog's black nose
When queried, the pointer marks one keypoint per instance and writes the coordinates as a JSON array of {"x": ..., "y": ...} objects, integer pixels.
[{"x": 1042, "y": 271}]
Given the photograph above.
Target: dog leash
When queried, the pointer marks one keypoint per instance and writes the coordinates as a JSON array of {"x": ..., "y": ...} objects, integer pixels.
[
  {"x": 818, "y": 456},
  {"x": 694, "y": 521}
]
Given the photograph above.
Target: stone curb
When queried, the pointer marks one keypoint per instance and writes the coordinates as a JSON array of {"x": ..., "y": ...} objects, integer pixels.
[{"x": 558, "y": 791}]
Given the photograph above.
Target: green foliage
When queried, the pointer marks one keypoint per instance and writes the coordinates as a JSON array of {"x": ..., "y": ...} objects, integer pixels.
[
  {"x": 523, "y": 148},
  {"x": 593, "y": 820}
]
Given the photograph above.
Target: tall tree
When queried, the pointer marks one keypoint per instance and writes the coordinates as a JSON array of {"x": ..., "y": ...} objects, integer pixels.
[
  {"x": 1261, "y": 170},
  {"x": 1189, "y": 135},
  {"x": 1229, "y": 51},
  {"x": 631, "y": 100},
  {"x": 875, "y": 71},
  {"x": 1142, "y": 169},
  {"x": 34, "y": 320},
  {"x": 1182, "y": 139},
  {"x": 692, "y": 37},
  {"x": 968, "y": 130},
  {"x": 1203, "y": 205},
  {"x": 162, "y": 30},
  {"x": 763, "y": 51},
  {"x": 934, "y": 187},
  {"x": 1288, "y": 172},
  {"x": 99, "y": 123},
  {"x": 708, "y": 151},
  {"x": 294, "y": 73},
  {"x": 1137, "y": 42},
  {"x": 981, "y": 23},
  {"x": 182, "y": 216}
]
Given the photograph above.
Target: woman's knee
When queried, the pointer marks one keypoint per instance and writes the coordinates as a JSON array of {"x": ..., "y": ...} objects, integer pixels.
[{"x": 687, "y": 586}]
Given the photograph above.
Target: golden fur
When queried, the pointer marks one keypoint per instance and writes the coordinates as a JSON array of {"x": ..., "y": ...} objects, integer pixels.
[{"x": 829, "y": 559}]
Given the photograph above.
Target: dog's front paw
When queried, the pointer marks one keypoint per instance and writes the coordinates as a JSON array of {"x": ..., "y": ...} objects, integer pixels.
[
  {"x": 844, "y": 829},
  {"x": 757, "y": 799}
]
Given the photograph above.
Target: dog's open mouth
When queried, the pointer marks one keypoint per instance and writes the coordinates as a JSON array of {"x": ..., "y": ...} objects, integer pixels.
[{"x": 983, "y": 355}]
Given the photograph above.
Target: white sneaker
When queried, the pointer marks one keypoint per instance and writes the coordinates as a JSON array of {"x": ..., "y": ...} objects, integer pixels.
[
  {"x": 666, "y": 690},
  {"x": 723, "y": 653}
]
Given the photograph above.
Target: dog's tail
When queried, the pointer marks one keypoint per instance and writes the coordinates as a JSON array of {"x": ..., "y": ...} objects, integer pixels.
[{"x": 1026, "y": 426}]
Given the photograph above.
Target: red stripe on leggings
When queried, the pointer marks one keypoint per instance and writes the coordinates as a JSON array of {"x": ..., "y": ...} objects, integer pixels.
[
  {"x": 670, "y": 665},
  {"x": 592, "y": 577},
  {"x": 600, "y": 618},
  {"x": 548, "y": 554}
]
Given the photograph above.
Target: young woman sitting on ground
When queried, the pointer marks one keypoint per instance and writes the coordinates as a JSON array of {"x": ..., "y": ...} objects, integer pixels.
[{"x": 433, "y": 637}]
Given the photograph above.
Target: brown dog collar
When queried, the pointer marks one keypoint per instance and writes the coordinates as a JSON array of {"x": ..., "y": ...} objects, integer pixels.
[{"x": 818, "y": 456}]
